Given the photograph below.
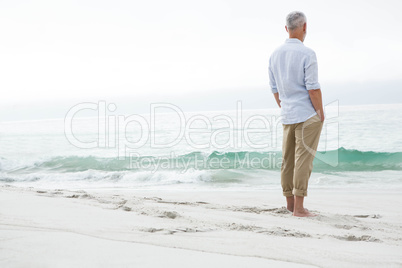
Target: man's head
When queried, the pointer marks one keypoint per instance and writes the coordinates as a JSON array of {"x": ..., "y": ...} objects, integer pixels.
[{"x": 296, "y": 25}]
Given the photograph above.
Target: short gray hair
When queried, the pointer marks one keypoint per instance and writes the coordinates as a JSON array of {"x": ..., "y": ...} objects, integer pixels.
[{"x": 295, "y": 20}]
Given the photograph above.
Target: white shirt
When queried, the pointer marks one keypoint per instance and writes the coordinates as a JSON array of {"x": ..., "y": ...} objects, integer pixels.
[{"x": 293, "y": 71}]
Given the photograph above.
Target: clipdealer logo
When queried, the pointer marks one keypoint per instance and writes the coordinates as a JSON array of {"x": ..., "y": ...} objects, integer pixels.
[{"x": 112, "y": 131}]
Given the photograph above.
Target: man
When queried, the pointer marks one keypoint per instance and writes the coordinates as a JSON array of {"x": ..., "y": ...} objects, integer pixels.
[{"x": 293, "y": 74}]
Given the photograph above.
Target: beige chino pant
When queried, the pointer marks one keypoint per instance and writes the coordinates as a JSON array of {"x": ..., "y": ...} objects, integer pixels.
[{"x": 300, "y": 143}]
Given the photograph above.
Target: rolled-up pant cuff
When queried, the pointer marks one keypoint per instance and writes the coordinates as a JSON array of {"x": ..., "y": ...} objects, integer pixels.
[
  {"x": 287, "y": 193},
  {"x": 298, "y": 192}
]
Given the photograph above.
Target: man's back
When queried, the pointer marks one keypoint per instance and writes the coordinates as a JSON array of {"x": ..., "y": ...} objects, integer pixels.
[{"x": 293, "y": 71}]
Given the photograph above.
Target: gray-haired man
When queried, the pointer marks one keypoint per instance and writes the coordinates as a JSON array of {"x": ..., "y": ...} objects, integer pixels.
[{"x": 293, "y": 77}]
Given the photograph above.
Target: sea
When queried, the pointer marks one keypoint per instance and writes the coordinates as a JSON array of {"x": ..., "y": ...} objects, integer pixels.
[{"x": 96, "y": 147}]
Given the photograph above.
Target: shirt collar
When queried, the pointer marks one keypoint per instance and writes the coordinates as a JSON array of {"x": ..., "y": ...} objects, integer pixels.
[{"x": 293, "y": 40}]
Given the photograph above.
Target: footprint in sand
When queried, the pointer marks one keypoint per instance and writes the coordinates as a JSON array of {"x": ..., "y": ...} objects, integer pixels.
[
  {"x": 365, "y": 238},
  {"x": 170, "y": 214},
  {"x": 374, "y": 216}
]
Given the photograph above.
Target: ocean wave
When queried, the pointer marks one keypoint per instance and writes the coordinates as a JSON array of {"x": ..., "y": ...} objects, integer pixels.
[{"x": 339, "y": 160}]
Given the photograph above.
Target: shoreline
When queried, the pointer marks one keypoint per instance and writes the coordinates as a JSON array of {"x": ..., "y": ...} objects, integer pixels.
[{"x": 250, "y": 226}]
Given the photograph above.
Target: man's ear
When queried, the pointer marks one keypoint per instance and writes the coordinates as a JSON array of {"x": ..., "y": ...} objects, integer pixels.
[
  {"x": 304, "y": 27},
  {"x": 286, "y": 27}
]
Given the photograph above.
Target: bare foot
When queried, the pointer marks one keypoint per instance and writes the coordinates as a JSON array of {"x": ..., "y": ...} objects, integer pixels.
[
  {"x": 290, "y": 203},
  {"x": 303, "y": 213},
  {"x": 290, "y": 207}
]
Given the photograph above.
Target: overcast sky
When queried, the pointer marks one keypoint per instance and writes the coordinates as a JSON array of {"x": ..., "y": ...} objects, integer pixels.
[{"x": 54, "y": 50}]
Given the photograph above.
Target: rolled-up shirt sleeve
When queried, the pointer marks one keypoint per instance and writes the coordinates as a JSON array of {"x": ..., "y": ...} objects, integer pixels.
[
  {"x": 311, "y": 72},
  {"x": 272, "y": 81}
]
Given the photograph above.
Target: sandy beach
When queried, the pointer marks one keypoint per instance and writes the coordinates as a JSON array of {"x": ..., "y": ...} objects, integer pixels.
[
  {"x": 163, "y": 134},
  {"x": 149, "y": 228}
]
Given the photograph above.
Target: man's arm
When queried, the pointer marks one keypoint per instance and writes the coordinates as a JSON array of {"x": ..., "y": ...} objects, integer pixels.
[
  {"x": 276, "y": 95},
  {"x": 316, "y": 99},
  {"x": 272, "y": 83},
  {"x": 312, "y": 85}
]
